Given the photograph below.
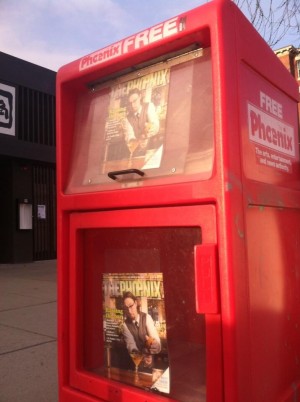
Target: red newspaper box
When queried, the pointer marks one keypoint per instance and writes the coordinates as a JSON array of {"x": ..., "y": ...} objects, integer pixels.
[{"x": 178, "y": 217}]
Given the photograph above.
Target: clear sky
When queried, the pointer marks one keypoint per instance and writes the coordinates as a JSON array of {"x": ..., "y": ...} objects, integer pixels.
[{"x": 51, "y": 33}]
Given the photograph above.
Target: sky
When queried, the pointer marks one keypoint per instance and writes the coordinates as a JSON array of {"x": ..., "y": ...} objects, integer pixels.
[{"x": 51, "y": 33}]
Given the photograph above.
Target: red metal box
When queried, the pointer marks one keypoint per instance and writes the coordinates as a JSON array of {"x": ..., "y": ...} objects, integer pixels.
[{"x": 178, "y": 217}]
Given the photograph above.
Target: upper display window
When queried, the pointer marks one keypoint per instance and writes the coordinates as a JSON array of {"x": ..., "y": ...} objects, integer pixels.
[{"x": 154, "y": 125}]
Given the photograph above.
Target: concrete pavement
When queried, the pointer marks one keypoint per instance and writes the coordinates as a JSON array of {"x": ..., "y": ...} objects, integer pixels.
[{"x": 28, "y": 339}]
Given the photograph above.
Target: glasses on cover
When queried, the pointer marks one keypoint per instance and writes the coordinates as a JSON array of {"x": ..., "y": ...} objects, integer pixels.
[{"x": 129, "y": 307}]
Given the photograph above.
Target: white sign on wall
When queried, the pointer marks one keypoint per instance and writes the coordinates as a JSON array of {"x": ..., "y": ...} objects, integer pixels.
[
  {"x": 7, "y": 109},
  {"x": 41, "y": 211}
]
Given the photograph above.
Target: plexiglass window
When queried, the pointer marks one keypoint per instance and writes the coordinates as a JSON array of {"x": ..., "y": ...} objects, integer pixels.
[
  {"x": 140, "y": 325},
  {"x": 156, "y": 122}
]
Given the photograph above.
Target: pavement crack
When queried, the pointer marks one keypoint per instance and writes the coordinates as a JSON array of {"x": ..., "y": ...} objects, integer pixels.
[
  {"x": 27, "y": 347},
  {"x": 29, "y": 305},
  {"x": 26, "y": 330}
]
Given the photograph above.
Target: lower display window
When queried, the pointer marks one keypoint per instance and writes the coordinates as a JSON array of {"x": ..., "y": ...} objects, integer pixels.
[{"x": 140, "y": 325}]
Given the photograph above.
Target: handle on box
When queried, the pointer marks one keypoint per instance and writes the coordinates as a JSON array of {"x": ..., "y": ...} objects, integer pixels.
[{"x": 114, "y": 175}]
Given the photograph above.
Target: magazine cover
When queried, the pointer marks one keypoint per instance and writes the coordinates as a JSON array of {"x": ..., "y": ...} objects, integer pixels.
[
  {"x": 135, "y": 125},
  {"x": 134, "y": 325}
]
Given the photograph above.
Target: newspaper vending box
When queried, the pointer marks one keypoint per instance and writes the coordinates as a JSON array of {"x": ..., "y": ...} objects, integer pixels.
[{"x": 178, "y": 217}]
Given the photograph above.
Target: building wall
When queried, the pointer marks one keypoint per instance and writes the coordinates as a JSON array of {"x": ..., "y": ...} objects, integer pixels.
[
  {"x": 27, "y": 151},
  {"x": 290, "y": 57}
]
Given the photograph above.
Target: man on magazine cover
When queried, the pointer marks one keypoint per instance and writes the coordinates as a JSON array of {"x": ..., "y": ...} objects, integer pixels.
[
  {"x": 139, "y": 330},
  {"x": 143, "y": 122}
]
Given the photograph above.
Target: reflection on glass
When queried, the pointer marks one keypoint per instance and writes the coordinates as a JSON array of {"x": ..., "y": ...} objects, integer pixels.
[
  {"x": 160, "y": 122},
  {"x": 121, "y": 257}
]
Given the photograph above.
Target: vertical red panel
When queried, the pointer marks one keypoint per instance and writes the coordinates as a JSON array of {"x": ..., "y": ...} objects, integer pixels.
[{"x": 206, "y": 281}]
